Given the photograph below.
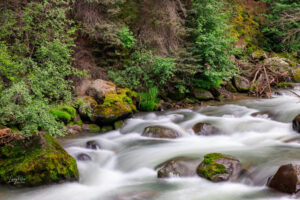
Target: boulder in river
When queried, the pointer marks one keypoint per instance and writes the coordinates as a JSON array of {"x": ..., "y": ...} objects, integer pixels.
[
  {"x": 296, "y": 124},
  {"x": 83, "y": 157},
  {"x": 286, "y": 179},
  {"x": 181, "y": 167},
  {"x": 160, "y": 132},
  {"x": 218, "y": 167},
  {"x": 205, "y": 129},
  {"x": 35, "y": 161},
  {"x": 92, "y": 145}
]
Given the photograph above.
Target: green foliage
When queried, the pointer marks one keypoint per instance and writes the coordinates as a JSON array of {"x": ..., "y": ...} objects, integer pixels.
[
  {"x": 283, "y": 25},
  {"x": 21, "y": 109},
  {"x": 144, "y": 71},
  {"x": 126, "y": 37},
  {"x": 34, "y": 63},
  {"x": 149, "y": 100},
  {"x": 206, "y": 61}
]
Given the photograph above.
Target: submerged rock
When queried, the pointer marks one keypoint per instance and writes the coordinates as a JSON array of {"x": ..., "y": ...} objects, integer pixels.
[
  {"x": 92, "y": 145},
  {"x": 160, "y": 132},
  {"x": 286, "y": 179},
  {"x": 218, "y": 167},
  {"x": 296, "y": 124},
  {"x": 181, "y": 167},
  {"x": 205, "y": 129},
  {"x": 83, "y": 157},
  {"x": 36, "y": 161}
]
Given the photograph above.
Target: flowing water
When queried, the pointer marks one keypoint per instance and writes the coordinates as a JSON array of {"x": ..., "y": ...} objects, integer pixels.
[{"x": 124, "y": 167}]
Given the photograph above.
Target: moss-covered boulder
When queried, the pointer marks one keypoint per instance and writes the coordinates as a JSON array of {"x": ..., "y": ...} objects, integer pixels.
[
  {"x": 218, "y": 167},
  {"x": 241, "y": 84},
  {"x": 35, "y": 161},
  {"x": 116, "y": 106},
  {"x": 202, "y": 94}
]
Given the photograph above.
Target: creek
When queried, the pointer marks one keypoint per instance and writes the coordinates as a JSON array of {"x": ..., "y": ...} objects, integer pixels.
[{"x": 124, "y": 167}]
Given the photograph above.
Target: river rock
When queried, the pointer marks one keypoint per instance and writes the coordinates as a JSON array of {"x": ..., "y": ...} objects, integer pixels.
[
  {"x": 74, "y": 129},
  {"x": 92, "y": 128},
  {"x": 35, "y": 161},
  {"x": 95, "y": 88},
  {"x": 180, "y": 167},
  {"x": 116, "y": 106},
  {"x": 83, "y": 157},
  {"x": 241, "y": 84},
  {"x": 286, "y": 179},
  {"x": 205, "y": 129},
  {"x": 92, "y": 145},
  {"x": 218, "y": 167},
  {"x": 202, "y": 94},
  {"x": 296, "y": 124},
  {"x": 160, "y": 132}
]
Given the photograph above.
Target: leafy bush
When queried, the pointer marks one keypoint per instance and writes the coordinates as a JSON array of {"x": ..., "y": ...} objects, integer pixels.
[
  {"x": 35, "y": 61},
  {"x": 144, "y": 71}
]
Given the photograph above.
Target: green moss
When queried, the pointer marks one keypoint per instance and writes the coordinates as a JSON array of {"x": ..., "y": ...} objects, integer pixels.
[
  {"x": 68, "y": 109},
  {"x": 211, "y": 167},
  {"x": 115, "y": 106},
  {"x": 296, "y": 76},
  {"x": 64, "y": 113},
  {"x": 118, "y": 124},
  {"x": 94, "y": 128},
  {"x": 285, "y": 85},
  {"x": 61, "y": 116},
  {"x": 107, "y": 128},
  {"x": 36, "y": 161}
]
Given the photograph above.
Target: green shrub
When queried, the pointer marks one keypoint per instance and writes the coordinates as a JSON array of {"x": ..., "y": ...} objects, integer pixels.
[
  {"x": 126, "y": 37},
  {"x": 144, "y": 71},
  {"x": 282, "y": 27},
  {"x": 35, "y": 61}
]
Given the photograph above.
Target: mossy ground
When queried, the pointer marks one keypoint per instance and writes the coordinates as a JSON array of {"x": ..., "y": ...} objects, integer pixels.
[
  {"x": 285, "y": 85},
  {"x": 211, "y": 167},
  {"x": 36, "y": 161}
]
